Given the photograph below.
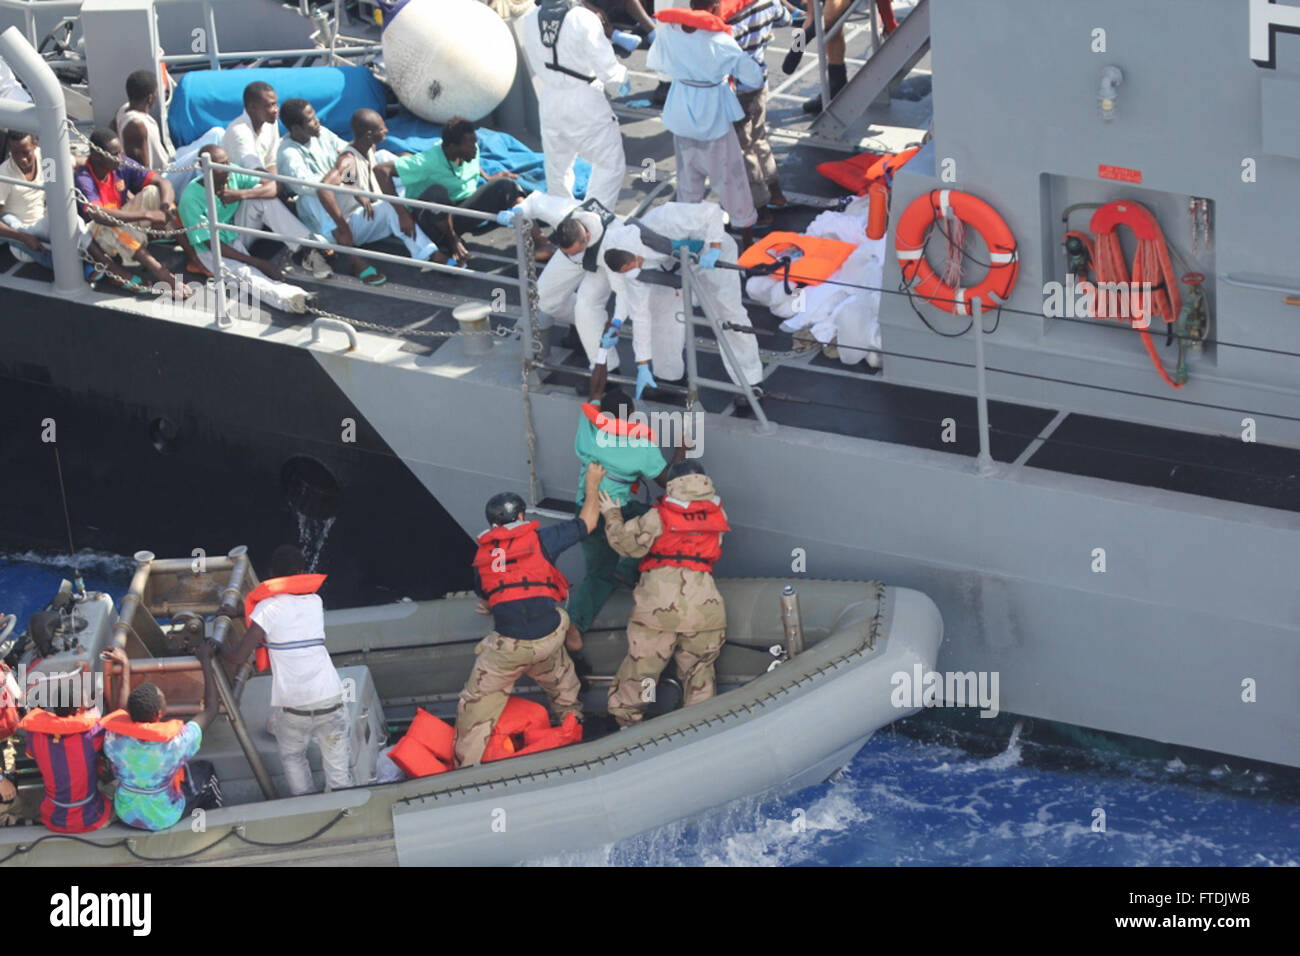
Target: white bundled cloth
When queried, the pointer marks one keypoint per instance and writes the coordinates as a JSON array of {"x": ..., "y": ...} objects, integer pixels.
[{"x": 832, "y": 310}]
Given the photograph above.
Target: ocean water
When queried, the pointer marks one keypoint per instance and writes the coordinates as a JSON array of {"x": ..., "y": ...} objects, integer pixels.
[{"x": 916, "y": 799}]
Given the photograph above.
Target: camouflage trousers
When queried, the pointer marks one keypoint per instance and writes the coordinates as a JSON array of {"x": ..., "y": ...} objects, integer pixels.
[
  {"x": 648, "y": 653},
  {"x": 501, "y": 661}
]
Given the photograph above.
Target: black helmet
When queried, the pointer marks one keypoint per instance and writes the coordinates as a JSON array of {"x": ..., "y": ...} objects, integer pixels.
[
  {"x": 687, "y": 466},
  {"x": 505, "y": 508}
]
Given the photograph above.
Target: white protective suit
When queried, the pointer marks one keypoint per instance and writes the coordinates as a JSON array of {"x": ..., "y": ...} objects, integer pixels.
[
  {"x": 575, "y": 115},
  {"x": 836, "y": 311},
  {"x": 565, "y": 290},
  {"x": 658, "y": 327}
]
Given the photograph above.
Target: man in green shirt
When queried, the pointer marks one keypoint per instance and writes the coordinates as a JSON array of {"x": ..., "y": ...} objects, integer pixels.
[
  {"x": 448, "y": 173},
  {"x": 233, "y": 191},
  {"x": 629, "y": 455}
]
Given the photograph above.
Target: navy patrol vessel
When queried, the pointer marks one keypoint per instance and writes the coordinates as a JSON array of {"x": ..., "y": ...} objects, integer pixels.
[{"x": 1121, "y": 553}]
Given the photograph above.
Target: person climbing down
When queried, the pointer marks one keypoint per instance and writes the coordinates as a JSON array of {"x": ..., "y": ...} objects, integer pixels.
[
  {"x": 629, "y": 454},
  {"x": 515, "y": 574},
  {"x": 678, "y": 613}
]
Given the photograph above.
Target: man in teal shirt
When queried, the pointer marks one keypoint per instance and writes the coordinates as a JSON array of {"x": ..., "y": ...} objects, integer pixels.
[
  {"x": 629, "y": 455},
  {"x": 448, "y": 173}
]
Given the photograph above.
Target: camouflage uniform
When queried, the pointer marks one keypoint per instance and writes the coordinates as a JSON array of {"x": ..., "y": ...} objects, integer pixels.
[
  {"x": 499, "y": 662},
  {"x": 678, "y": 614}
]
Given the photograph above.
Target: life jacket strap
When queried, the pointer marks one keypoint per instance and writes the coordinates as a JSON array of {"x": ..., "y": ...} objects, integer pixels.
[{"x": 79, "y": 803}]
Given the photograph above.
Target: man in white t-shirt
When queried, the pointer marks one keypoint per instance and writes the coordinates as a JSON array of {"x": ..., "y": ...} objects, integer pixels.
[
  {"x": 23, "y": 222},
  {"x": 143, "y": 139},
  {"x": 253, "y": 138},
  {"x": 286, "y": 616}
]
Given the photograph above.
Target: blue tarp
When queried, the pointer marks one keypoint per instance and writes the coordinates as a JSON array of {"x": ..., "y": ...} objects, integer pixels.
[{"x": 207, "y": 98}]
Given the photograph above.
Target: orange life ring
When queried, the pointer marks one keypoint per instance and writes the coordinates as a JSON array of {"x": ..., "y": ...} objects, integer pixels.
[{"x": 909, "y": 244}]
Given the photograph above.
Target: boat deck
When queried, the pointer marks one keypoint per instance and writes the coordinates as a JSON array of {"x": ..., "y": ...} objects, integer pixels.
[{"x": 806, "y": 389}]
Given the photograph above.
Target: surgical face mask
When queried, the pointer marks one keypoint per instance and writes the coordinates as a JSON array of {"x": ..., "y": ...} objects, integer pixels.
[{"x": 632, "y": 273}]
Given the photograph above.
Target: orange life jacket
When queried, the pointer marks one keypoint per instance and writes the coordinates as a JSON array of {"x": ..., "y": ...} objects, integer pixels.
[
  {"x": 692, "y": 535},
  {"x": 293, "y": 584},
  {"x": 857, "y": 173},
  {"x": 45, "y": 722},
  {"x": 427, "y": 747},
  {"x": 817, "y": 262},
  {"x": 159, "y": 732},
  {"x": 699, "y": 19},
  {"x": 511, "y": 566},
  {"x": 524, "y": 727},
  {"x": 615, "y": 425}
]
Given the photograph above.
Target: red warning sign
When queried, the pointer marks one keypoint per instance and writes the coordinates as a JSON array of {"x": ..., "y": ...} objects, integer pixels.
[{"x": 1119, "y": 173}]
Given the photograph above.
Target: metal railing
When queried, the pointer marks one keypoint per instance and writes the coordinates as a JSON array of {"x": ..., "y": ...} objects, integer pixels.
[{"x": 215, "y": 228}]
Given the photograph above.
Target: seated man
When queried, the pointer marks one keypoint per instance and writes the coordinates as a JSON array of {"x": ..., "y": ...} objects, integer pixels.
[
  {"x": 313, "y": 152},
  {"x": 23, "y": 222},
  {"x": 448, "y": 173},
  {"x": 122, "y": 202},
  {"x": 143, "y": 139},
  {"x": 158, "y": 782},
  {"x": 252, "y": 139},
  {"x": 66, "y": 739},
  {"x": 285, "y": 615},
  {"x": 233, "y": 192}
]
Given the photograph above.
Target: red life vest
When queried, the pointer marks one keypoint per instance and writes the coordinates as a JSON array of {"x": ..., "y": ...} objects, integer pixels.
[
  {"x": 45, "y": 722},
  {"x": 699, "y": 19},
  {"x": 692, "y": 535},
  {"x": 524, "y": 572},
  {"x": 427, "y": 747},
  {"x": 159, "y": 732},
  {"x": 615, "y": 425},
  {"x": 524, "y": 727},
  {"x": 293, "y": 584}
]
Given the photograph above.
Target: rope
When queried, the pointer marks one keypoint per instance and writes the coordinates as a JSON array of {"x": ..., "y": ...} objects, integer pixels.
[{"x": 126, "y": 843}]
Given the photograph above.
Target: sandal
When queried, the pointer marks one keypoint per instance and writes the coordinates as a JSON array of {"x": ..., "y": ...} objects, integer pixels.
[{"x": 372, "y": 276}]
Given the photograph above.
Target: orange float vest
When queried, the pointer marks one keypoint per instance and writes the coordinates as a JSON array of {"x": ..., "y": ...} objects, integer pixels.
[
  {"x": 699, "y": 19},
  {"x": 45, "y": 722},
  {"x": 615, "y": 425},
  {"x": 692, "y": 535},
  {"x": 427, "y": 747},
  {"x": 857, "y": 173},
  {"x": 818, "y": 262},
  {"x": 293, "y": 584},
  {"x": 524, "y": 727},
  {"x": 159, "y": 732},
  {"x": 511, "y": 566}
]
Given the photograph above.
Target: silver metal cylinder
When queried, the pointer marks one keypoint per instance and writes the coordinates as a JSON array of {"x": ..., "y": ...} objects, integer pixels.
[{"x": 791, "y": 621}]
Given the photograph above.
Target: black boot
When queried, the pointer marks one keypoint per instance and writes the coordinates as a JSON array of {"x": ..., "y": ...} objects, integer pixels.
[{"x": 837, "y": 74}]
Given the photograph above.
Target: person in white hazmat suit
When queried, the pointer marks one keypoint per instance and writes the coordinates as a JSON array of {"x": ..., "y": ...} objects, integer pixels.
[
  {"x": 574, "y": 286},
  {"x": 659, "y": 328},
  {"x": 574, "y": 65}
]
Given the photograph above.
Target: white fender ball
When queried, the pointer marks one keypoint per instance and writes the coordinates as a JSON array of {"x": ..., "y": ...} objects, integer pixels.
[{"x": 448, "y": 58}]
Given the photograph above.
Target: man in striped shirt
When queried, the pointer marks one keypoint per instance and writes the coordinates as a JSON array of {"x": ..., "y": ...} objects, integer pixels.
[{"x": 752, "y": 28}]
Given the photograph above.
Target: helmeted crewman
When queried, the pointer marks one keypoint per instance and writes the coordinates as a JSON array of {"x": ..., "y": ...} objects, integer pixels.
[
  {"x": 574, "y": 285},
  {"x": 649, "y": 243},
  {"x": 678, "y": 613},
  {"x": 565, "y": 44},
  {"x": 516, "y": 576}
]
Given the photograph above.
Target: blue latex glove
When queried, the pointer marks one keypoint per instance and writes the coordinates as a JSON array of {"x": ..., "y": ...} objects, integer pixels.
[
  {"x": 506, "y": 217},
  {"x": 644, "y": 379},
  {"x": 626, "y": 42},
  {"x": 624, "y": 89},
  {"x": 709, "y": 257},
  {"x": 610, "y": 338}
]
